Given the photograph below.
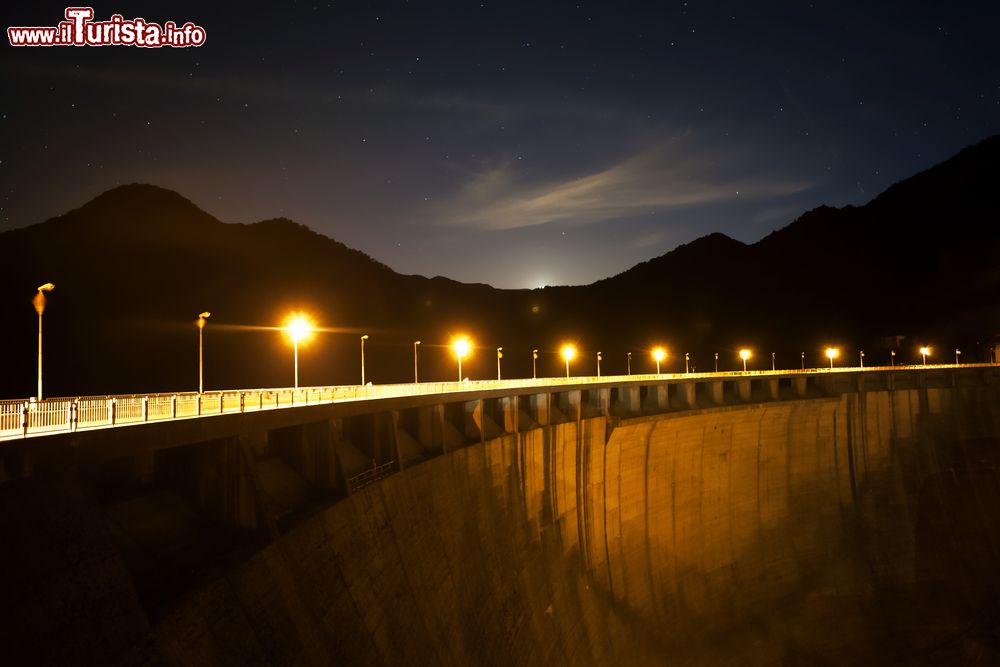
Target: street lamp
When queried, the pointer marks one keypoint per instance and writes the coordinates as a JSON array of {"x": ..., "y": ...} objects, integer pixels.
[
  {"x": 957, "y": 353},
  {"x": 299, "y": 328},
  {"x": 772, "y": 362},
  {"x": 659, "y": 354},
  {"x": 716, "y": 362},
  {"x": 924, "y": 352},
  {"x": 862, "y": 358},
  {"x": 687, "y": 359},
  {"x": 598, "y": 364},
  {"x": 803, "y": 355},
  {"x": 363, "y": 339},
  {"x": 499, "y": 357},
  {"x": 534, "y": 364},
  {"x": 461, "y": 346},
  {"x": 201, "y": 328},
  {"x": 39, "y": 303},
  {"x": 415, "y": 343},
  {"x": 628, "y": 362},
  {"x": 568, "y": 353},
  {"x": 892, "y": 358},
  {"x": 832, "y": 353},
  {"x": 744, "y": 355}
]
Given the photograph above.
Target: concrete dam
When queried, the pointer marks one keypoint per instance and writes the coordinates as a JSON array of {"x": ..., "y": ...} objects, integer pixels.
[{"x": 816, "y": 518}]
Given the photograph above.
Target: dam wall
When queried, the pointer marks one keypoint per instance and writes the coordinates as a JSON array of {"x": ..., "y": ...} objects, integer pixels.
[{"x": 851, "y": 528}]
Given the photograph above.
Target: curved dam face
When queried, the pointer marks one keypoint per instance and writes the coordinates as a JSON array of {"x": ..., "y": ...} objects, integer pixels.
[
  {"x": 850, "y": 529},
  {"x": 862, "y": 528}
]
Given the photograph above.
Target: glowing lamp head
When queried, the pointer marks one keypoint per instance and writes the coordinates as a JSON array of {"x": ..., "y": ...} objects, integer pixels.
[
  {"x": 832, "y": 353},
  {"x": 568, "y": 352},
  {"x": 745, "y": 354},
  {"x": 926, "y": 351},
  {"x": 47, "y": 287},
  {"x": 299, "y": 327},
  {"x": 461, "y": 346},
  {"x": 659, "y": 354},
  {"x": 201, "y": 319}
]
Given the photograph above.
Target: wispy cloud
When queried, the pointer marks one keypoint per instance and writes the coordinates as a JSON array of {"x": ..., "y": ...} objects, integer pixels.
[{"x": 670, "y": 175}]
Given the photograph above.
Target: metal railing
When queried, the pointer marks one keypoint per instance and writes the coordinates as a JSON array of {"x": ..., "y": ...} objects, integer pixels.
[
  {"x": 23, "y": 418},
  {"x": 370, "y": 476}
]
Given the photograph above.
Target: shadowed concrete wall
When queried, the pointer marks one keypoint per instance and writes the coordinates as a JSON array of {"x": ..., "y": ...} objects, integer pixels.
[
  {"x": 854, "y": 529},
  {"x": 857, "y": 528}
]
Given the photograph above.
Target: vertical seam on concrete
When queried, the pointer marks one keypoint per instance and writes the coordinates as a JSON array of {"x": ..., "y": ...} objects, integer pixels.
[
  {"x": 850, "y": 449},
  {"x": 645, "y": 522}
]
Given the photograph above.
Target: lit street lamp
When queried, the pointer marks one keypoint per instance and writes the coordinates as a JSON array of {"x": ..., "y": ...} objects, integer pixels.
[
  {"x": 201, "y": 328},
  {"x": 499, "y": 357},
  {"x": 659, "y": 354},
  {"x": 957, "y": 353},
  {"x": 299, "y": 328},
  {"x": 687, "y": 359},
  {"x": 568, "y": 353},
  {"x": 628, "y": 362},
  {"x": 862, "y": 358},
  {"x": 832, "y": 353},
  {"x": 924, "y": 352},
  {"x": 772, "y": 362},
  {"x": 744, "y": 355},
  {"x": 363, "y": 339},
  {"x": 39, "y": 303},
  {"x": 534, "y": 364},
  {"x": 803, "y": 355},
  {"x": 892, "y": 358},
  {"x": 415, "y": 343},
  {"x": 598, "y": 364},
  {"x": 716, "y": 362},
  {"x": 461, "y": 346}
]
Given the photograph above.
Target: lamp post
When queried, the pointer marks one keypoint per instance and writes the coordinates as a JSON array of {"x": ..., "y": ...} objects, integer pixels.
[
  {"x": 716, "y": 362},
  {"x": 744, "y": 355},
  {"x": 892, "y": 358},
  {"x": 659, "y": 354},
  {"x": 202, "y": 318},
  {"x": 499, "y": 357},
  {"x": 687, "y": 359},
  {"x": 832, "y": 353},
  {"x": 39, "y": 303},
  {"x": 772, "y": 362},
  {"x": 534, "y": 364},
  {"x": 568, "y": 353},
  {"x": 862, "y": 358},
  {"x": 461, "y": 346},
  {"x": 299, "y": 328},
  {"x": 958, "y": 352},
  {"x": 628, "y": 362},
  {"x": 598, "y": 364},
  {"x": 415, "y": 343},
  {"x": 924, "y": 351},
  {"x": 803, "y": 355},
  {"x": 363, "y": 339}
]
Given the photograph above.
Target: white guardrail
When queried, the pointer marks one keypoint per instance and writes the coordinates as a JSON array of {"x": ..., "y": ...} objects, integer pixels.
[{"x": 24, "y": 418}]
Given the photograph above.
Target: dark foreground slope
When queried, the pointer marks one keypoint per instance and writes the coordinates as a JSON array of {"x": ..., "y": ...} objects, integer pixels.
[{"x": 135, "y": 266}]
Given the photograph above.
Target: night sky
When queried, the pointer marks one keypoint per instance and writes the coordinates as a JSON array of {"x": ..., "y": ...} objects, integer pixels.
[{"x": 516, "y": 144}]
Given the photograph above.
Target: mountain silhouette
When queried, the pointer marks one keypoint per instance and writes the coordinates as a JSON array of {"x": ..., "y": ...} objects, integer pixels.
[{"x": 134, "y": 267}]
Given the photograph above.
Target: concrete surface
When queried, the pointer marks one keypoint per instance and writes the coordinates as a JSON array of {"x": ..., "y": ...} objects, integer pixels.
[{"x": 857, "y": 529}]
